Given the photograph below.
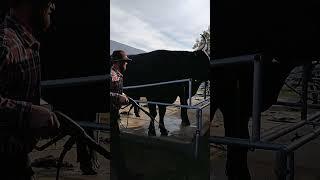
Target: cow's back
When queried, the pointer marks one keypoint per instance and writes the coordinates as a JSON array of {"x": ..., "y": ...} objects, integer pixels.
[{"x": 162, "y": 66}]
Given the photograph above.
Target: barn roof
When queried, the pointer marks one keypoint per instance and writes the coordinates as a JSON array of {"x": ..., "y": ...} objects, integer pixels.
[{"x": 114, "y": 45}]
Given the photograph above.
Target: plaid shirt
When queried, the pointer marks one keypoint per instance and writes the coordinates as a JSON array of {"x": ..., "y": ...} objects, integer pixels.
[
  {"x": 19, "y": 76},
  {"x": 115, "y": 90}
]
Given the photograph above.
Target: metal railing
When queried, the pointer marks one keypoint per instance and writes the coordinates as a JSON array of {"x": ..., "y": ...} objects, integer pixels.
[
  {"x": 68, "y": 82},
  {"x": 204, "y": 103},
  {"x": 285, "y": 152},
  {"x": 165, "y": 83},
  {"x": 72, "y": 82},
  {"x": 256, "y": 108}
]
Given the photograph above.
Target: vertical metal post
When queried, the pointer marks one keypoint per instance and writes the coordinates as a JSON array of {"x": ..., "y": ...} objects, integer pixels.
[
  {"x": 199, "y": 124},
  {"x": 205, "y": 89},
  {"x": 256, "y": 105},
  {"x": 98, "y": 131},
  {"x": 291, "y": 165},
  {"x": 304, "y": 95},
  {"x": 200, "y": 120},
  {"x": 190, "y": 91}
]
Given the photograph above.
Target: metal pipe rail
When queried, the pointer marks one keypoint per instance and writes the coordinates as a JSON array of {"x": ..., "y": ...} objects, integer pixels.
[
  {"x": 271, "y": 136},
  {"x": 309, "y": 91},
  {"x": 234, "y": 61},
  {"x": 304, "y": 97},
  {"x": 199, "y": 109},
  {"x": 74, "y": 81},
  {"x": 293, "y": 104},
  {"x": 94, "y": 126},
  {"x": 303, "y": 140},
  {"x": 205, "y": 89},
  {"x": 198, "y": 114},
  {"x": 246, "y": 143},
  {"x": 164, "y": 83},
  {"x": 167, "y": 104},
  {"x": 285, "y": 153},
  {"x": 71, "y": 82},
  {"x": 269, "y": 145},
  {"x": 156, "y": 84},
  {"x": 181, "y": 106},
  {"x": 256, "y": 104},
  {"x": 201, "y": 102}
]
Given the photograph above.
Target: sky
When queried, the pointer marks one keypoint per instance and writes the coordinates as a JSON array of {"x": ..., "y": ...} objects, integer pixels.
[{"x": 158, "y": 24}]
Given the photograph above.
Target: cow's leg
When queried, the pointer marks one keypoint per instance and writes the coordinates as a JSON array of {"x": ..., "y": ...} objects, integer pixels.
[
  {"x": 234, "y": 106},
  {"x": 162, "y": 112},
  {"x": 132, "y": 106},
  {"x": 153, "y": 112},
  {"x": 237, "y": 127},
  {"x": 184, "y": 114},
  {"x": 136, "y": 111}
]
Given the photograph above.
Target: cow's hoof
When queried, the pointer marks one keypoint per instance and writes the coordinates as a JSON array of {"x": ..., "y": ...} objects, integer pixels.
[
  {"x": 152, "y": 132},
  {"x": 126, "y": 113},
  {"x": 185, "y": 123},
  {"x": 164, "y": 132},
  {"x": 137, "y": 115}
]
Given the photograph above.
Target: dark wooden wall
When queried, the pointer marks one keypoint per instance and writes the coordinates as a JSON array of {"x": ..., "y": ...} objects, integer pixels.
[{"x": 77, "y": 46}]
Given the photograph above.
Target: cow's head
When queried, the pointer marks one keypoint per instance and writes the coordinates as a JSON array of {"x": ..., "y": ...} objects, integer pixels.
[
  {"x": 202, "y": 60},
  {"x": 203, "y": 47}
]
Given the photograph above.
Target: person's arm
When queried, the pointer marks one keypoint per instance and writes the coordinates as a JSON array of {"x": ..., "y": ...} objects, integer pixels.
[
  {"x": 37, "y": 116},
  {"x": 7, "y": 104},
  {"x": 118, "y": 99},
  {"x": 114, "y": 98}
]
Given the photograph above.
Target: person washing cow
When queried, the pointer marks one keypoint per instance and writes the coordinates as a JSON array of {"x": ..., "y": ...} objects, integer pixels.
[{"x": 119, "y": 60}]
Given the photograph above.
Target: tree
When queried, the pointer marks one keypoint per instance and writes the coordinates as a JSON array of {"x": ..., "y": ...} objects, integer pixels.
[{"x": 199, "y": 43}]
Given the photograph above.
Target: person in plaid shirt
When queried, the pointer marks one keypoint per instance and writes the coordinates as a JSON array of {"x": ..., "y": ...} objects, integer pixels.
[
  {"x": 22, "y": 119},
  {"x": 119, "y": 62}
]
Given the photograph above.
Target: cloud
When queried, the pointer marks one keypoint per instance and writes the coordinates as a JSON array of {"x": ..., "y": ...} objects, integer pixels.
[
  {"x": 131, "y": 30},
  {"x": 151, "y": 24}
]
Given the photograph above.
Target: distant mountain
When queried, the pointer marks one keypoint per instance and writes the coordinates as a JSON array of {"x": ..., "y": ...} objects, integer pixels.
[{"x": 114, "y": 45}]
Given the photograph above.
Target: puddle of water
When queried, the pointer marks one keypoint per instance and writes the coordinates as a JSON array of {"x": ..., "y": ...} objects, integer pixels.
[
  {"x": 172, "y": 121},
  {"x": 163, "y": 158}
]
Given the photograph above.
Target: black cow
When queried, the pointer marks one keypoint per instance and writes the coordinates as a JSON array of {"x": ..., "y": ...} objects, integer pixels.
[
  {"x": 161, "y": 66},
  {"x": 284, "y": 32}
]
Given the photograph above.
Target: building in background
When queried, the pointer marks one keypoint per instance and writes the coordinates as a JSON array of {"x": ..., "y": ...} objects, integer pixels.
[{"x": 114, "y": 45}]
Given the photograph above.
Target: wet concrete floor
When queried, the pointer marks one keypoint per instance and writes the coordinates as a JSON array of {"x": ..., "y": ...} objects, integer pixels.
[
  {"x": 165, "y": 158},
  {"x": 71, "y": 170},
  {"x": 262, "y": 162}
]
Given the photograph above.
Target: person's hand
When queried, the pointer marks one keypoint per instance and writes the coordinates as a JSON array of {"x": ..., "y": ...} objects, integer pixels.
[
  {"x": 123, "y": 99},
  {"x": 43, "y": 121}
]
